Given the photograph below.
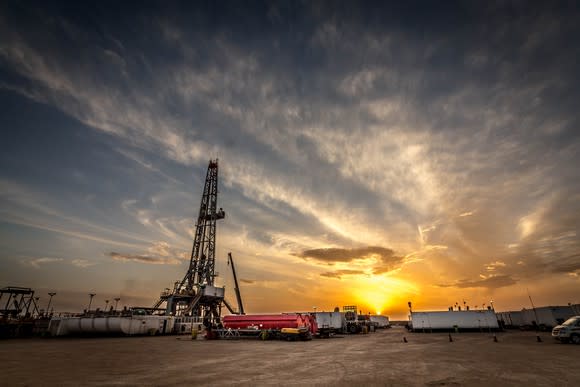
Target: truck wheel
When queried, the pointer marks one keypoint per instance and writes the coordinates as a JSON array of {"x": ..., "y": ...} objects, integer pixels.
[{"x": 575, "y": 339}]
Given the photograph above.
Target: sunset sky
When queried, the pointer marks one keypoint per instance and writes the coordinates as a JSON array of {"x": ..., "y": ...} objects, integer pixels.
[{"x": 370, "y": 154}]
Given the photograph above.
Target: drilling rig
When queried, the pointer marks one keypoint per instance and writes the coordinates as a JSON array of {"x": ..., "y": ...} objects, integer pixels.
[{"x": 196, "y": 295}]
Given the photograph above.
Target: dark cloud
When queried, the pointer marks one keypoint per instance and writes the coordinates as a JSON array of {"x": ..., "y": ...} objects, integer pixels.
[
  {"x": 566, "y": 265},
  {"x": 247, "y": 281},
  {"x": 338, "y": 274},
  {"x": 155, "y": 260},
  {"x": 388, "y": 261},
  {"x": 491, "y": 282},
  {"x": 336, "y": 254}
]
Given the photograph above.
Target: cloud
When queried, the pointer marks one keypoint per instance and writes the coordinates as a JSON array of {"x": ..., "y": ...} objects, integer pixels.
[
  {"x": 36, "y": 263},
  {"x": 247, "y": 281},
  {"x": 335, "y": 254},
  {"x": 383, "y": 260},
  {"x": 82, "y": 263},
  {"x": 569, "y": 265},
  {"x": 160, "y": 253},
  {"x": 491, "y": 282},
  {"x": 338, "y": 274},
  {"x": 155, "y": 260},
  {"x": 492, "y": 266}
]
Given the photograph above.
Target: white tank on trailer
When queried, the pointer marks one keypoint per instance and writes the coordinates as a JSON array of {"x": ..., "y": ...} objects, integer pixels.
[{"x": 112, "y": 325}]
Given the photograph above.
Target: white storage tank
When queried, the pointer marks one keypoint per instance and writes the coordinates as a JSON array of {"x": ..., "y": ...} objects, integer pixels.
[{"x": 111, "y": 325}]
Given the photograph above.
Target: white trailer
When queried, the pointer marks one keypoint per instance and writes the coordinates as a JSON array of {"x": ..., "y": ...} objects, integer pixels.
[
  {"x": 543, "y": 317},
  {"x": 464, "y": 319},
  {"x": 330, "y": 322},
  {"x": 511, "y": 319},
  {"x": 547, "y": 316},
  {"x": 380, "y": 321}
]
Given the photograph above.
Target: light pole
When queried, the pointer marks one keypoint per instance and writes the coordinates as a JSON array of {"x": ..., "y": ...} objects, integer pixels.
[
  {"x": 116, "y": 302},
  {"x": 51, "y": 294},
  {"x": 491, "y": 302},
  {"x": 91, "y": 300}
]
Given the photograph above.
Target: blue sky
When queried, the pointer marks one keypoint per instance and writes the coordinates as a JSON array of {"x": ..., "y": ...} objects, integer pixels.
[{"x": 369, "y": 153}]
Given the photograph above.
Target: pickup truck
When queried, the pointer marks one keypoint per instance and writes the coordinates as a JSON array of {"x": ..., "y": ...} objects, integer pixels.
[{"x": 569, "y": 331}]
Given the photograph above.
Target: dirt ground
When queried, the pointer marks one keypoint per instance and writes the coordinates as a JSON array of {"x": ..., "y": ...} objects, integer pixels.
[{"x": 380, "y": 358}]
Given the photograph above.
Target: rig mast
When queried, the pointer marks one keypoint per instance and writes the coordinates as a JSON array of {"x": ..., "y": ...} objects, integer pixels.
[{"x": 195, "y": 294}]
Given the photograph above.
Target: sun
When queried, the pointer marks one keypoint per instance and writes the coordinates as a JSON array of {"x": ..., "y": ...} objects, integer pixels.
[{"x": 379, "y": 294}]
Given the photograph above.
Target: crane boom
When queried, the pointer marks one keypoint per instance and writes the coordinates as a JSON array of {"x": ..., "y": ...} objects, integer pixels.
[{"x": 237, "y": 287}]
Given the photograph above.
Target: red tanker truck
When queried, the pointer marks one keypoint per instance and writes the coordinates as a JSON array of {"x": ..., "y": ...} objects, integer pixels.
[{"x": 284, "y": 326}]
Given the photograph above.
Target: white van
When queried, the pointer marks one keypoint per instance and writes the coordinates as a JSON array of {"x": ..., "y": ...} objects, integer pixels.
[{"x": 569, "y": 331}]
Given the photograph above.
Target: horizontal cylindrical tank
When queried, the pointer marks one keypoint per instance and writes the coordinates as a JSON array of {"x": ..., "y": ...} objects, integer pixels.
[
  {"x": 133, "y": 325},
  {"x": 270, "y": 321}
]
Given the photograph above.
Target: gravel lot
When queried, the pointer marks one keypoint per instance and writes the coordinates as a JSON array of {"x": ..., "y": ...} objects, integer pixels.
[{"x": 380, "y": 358}]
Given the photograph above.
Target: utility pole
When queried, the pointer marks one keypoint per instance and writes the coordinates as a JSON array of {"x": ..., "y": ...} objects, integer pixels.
[
  {"x": 51, "y": 294},
  {"x": 91, "y": 300}
]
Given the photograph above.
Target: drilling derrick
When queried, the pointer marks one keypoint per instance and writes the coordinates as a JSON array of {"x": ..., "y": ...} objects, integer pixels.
[{"x": 196, "y": 295}]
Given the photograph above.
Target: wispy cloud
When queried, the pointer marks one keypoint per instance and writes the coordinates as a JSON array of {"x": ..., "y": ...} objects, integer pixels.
[
  {"x": 83, "y": 263},
  {"x": 38, "y": 262},
  {"x": 338, "y": 274},
  {"x": 160, "y": 253}
]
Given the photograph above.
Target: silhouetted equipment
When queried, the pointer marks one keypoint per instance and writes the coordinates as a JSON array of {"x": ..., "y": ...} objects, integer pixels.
[
  {"x": 195, "y": 294},
  {"x": 237, "y": 287},
  {"x": 20, "y": 303}
]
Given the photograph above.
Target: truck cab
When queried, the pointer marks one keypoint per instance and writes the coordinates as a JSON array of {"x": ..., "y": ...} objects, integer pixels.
[{"x": 568, "y": 331}]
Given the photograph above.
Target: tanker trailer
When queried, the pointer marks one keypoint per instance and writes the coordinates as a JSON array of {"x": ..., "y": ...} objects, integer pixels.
[{"x": 281, "y": 326}]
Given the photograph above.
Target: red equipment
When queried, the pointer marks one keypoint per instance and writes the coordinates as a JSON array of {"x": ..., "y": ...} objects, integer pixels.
[{"x": 271, "y": 321}]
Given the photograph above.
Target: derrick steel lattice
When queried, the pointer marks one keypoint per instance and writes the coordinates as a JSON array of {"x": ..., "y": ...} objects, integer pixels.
[
  {"x": 196, "y": 294},
  {"x": 202, "y": 263}
]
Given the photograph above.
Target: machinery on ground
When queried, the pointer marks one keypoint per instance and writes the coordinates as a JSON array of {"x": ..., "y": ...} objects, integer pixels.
[
  {"x": 237, "y": 286},
  {"x": 355, "y": 322},
  {"x": 288, "y": 326}
]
